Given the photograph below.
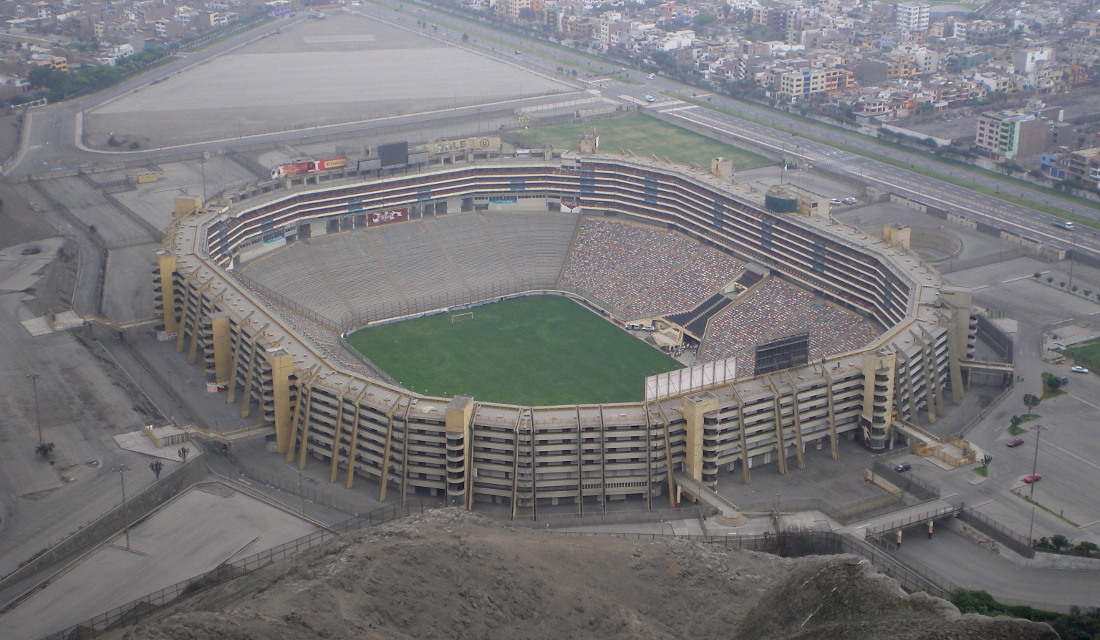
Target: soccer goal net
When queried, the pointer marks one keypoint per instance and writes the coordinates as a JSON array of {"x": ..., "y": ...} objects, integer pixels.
[{"x": 459, "y": 317}]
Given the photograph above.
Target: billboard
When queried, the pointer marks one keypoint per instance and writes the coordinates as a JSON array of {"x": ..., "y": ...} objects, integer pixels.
[
  {"x": 689, "y": 379},
  {"x": 394, "y": 154},
  {"x": 783, "y": 353},
  {"x": 570, "y": 205},
  {"x": 451, "y": 147},
  {"x": 298, "y": 168},
  {"x": 289, "y": 169},
  {"x": 386, "y": 217},
  {"x": 329, "y": 164}
]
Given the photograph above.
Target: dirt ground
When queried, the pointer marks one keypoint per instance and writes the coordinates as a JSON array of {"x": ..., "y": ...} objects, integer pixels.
[{"x": 452, "y": 574}]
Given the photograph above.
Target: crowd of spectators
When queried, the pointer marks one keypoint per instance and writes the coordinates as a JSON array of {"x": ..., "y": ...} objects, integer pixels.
[
  {"x": 775, "y": 309},
  {"x": 708, "y": 271},
  {"x": 644, "y": 271}
]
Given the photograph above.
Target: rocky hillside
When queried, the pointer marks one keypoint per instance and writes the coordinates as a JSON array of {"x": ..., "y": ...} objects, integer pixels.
[{"x": 452, "y": 574}]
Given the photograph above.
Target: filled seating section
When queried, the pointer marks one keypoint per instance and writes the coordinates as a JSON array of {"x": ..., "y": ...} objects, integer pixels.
[{"x": 639, "y": 271}]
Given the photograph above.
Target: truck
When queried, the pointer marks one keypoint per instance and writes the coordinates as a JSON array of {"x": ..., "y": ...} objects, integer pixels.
[{"x": 1064, "y": 224}]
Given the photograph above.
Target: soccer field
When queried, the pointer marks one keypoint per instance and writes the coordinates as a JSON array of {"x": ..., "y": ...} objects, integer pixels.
[{"x": 533, "y": 351}]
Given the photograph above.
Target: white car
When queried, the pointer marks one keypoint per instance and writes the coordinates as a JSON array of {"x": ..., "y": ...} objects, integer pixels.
[
  {"x": 650, "y": 99},
  {"x": 651, "y": 76},
  {"x": 1078, "y": 369},
  {"x": 835, "y": 202},
  {"x": 850, "y": 200}
]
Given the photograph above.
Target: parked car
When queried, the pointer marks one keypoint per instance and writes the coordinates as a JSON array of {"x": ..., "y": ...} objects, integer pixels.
[
  {"x": 1078, "y": 369},
  {"x": 1015, "y": 442},
  {"x": 850, "y": 200},
  {"x": 835, "y": 201},
  {"x": 650, "y": 99},
  {"x": 1033, "y": 477},
  {"x": 903, "y": 467}
]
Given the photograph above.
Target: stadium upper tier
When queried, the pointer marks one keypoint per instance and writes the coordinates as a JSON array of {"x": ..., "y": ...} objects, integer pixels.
[{"x": 324, "y": 406}]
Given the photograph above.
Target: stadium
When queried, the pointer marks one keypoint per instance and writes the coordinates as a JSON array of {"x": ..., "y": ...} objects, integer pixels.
[{"x": 807, "y": 331}]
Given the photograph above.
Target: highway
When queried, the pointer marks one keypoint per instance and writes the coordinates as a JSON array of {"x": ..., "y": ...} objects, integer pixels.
[{"x": 52, "y": 136}]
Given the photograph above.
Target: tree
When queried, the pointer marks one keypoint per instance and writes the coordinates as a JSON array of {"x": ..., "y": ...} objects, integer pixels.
[
  {"x": 1059, "y": 541},
  {"x": 183, "y": 451},
  {"x": 1031, "y": 401},
  {"x": 44, "y": 449},
  {"x": 157, "y": 466}
]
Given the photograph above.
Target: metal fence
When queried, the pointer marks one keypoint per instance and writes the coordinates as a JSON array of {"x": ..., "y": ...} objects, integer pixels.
[
  {"x": 1014, "y": 541},
  {"x": 296, "y": 488},
  {"x": 908, "y": 521},
  {"x": 800, "y": 543},
  {"x": 135, "y": 610},
  {"x": 907, "y": 483},
  {"x": 468, "y": 298},
  {"x": 283, "y": 301}
]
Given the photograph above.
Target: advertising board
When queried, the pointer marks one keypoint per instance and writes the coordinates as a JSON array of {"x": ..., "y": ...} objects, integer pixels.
[{"x": 386, "y": 217}]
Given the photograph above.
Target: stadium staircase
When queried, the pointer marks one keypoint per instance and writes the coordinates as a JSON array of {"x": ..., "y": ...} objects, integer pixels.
[
  {"x": 500, "y": 248},
  {"x": 373, "y": 250},
  {"x": 429, "y": 226},
  {"x": 320, "y": 263},
  {"x": 695, "y": 321}
]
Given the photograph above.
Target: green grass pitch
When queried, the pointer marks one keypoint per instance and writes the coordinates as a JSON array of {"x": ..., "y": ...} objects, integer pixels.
[
  {"x": 644, "y": 135},
  {"x": 533, "y": 351}
]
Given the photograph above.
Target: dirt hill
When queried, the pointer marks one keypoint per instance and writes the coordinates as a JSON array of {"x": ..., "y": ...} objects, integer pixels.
[{"x": 452, "y": 574}]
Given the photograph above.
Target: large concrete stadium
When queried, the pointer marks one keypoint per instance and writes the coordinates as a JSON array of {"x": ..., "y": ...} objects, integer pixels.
[{"x": 276, "y": 353}]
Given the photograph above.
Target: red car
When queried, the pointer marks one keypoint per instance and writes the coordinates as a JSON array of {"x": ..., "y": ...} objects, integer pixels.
[
  {"x": 1015, "y": 442},
  {"x": 1035, "y": 477}
]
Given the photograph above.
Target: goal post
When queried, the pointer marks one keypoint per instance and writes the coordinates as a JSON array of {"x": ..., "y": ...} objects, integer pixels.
[{"x": 464, "y": 315}]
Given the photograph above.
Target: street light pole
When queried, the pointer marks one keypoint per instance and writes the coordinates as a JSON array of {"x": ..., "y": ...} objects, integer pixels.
[
  {"x": 121, "y": 470},
  {"x": 37, "y": 420},
  {"x": 1039, "y": 429},
  {"x": 302, "y": 493}
]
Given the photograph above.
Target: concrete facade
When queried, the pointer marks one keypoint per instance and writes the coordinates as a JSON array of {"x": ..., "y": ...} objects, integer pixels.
[{"x": 474, "y": 452}]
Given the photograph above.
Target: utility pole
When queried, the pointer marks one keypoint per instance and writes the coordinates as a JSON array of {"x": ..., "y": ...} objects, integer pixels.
[
  {"x": 121, "y": 470},
  {"x": 302, "y": 493},
  {"x": 37, "y": 420},
  {"x": 1039, "y": 429}
]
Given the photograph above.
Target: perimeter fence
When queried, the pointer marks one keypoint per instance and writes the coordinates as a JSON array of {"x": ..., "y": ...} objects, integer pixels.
[{"x": 135, "y": 610}]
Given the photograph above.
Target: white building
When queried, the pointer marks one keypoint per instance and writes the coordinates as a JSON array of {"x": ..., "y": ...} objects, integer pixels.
[{"x": 913, "y": 16}]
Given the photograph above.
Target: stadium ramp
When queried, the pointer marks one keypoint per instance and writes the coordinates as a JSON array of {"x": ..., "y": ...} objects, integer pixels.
[{"x": 726, "y": 512}]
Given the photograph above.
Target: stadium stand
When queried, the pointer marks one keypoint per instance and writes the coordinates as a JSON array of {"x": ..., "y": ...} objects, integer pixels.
[
  {"x": 452, "y": 259},
  {"x": 644, "y": 271},
  {"x": 293, "y": 375}
]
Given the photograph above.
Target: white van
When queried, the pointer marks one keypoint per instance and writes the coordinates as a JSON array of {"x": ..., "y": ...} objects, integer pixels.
[
  {"x": 650, "y": 328},
  {"x": 633, "y": 326}
]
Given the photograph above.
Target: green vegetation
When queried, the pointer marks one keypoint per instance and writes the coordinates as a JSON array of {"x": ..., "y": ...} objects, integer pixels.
[
  {"x": 58, "y": 85},
  {"x": 1078, "y": 624},
  {"x": 643, "y": 135},
  {"x": 1052, "y": 385},
  {"x": 1086, "y": 354},
  {"x": 983, "y": 471},
  {"x": 539, "y": 350}
]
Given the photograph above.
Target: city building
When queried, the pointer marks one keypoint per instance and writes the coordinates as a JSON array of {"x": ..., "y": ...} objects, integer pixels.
[
  {"x": 1007, "y": 135},
  {"x": 913, "y": 16}
]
